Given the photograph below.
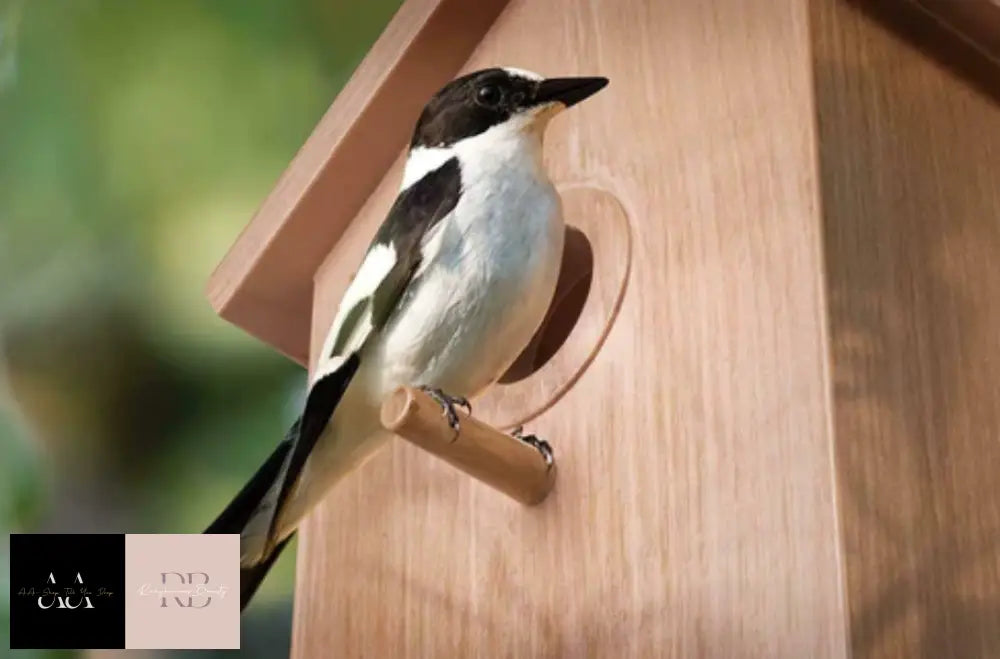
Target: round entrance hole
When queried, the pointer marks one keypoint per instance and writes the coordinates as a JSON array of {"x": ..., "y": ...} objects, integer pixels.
[{"x": 592, "y": 282}]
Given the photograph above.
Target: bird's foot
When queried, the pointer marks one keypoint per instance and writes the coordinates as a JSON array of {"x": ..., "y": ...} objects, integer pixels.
[
  {"x": 540, "y": 445},
  {"x": 448, "y": 404}
]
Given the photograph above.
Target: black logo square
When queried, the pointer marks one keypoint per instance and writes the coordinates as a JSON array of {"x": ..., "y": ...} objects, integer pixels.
[{"x": 67, "y": 591}]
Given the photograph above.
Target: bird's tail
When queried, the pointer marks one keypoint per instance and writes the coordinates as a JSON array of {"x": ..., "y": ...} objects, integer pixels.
[
  {"x": 251, "y": 577},
  {"x": 239, "y": 512},
  {"x": 254, "y": 511}
]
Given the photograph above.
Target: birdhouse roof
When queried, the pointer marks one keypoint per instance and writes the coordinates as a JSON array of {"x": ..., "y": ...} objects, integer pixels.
[{"x": 264, "y": 284}]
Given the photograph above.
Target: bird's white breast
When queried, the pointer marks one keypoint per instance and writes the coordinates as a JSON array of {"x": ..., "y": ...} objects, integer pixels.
[{"x": 487, "y": 277}]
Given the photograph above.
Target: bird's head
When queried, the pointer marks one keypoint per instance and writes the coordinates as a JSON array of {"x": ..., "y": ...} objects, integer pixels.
[{"x": 499, "y": 99}]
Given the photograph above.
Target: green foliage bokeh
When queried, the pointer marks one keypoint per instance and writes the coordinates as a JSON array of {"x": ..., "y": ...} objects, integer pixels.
[{"x": 137, "y": 138}]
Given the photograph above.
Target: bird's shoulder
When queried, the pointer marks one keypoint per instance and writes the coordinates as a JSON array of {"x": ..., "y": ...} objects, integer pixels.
[
  {"x": 392, "y": 257},
  {"x": 421, "y": 205}
]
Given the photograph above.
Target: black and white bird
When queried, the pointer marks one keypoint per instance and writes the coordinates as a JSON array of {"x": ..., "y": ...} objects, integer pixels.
[{"x": 454, "y": 285}]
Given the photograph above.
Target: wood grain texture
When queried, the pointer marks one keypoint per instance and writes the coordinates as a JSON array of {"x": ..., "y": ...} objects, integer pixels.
[
  {"x": 694, "y": 512},
  {"x": 956, "y": 52},
  {"x": 264, "y": 283},
  {"x": 503, "y": 462},
  {"x": 909, "y": 160},
  {"x": 975, "y": 20}
]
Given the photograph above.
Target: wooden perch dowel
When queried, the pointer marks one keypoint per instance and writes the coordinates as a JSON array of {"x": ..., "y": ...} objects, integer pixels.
[{"x": 506, "y": 463}]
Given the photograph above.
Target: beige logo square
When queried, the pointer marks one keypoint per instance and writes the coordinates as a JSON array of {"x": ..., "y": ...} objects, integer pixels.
[{"x": 182, "y": 591}]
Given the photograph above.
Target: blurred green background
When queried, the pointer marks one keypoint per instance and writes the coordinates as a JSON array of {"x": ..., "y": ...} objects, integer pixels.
[{"x": 137, "y": 137}]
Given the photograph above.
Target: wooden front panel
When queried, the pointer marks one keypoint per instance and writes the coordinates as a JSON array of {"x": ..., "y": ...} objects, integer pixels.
[
  {"x": 910, "y": 156},
  {"x": 694, "y": 511}
]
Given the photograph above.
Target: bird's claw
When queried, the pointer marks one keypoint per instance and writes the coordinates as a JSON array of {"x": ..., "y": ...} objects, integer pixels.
[
  {"x": 540, "y": 445},
  {"x": 462, "y": 401},
  {"x": 448, "y": 404}
]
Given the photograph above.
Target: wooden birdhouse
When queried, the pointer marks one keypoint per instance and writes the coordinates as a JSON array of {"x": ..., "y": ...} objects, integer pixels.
[{"x": 769, "y": 374}]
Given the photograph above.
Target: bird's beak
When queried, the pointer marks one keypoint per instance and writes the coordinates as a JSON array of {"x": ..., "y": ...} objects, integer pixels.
[{"x": 568, "y": 91}]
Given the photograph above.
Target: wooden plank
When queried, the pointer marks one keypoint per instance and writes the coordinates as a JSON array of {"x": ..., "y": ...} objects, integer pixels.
[
  {"x": 264, "y": 283},
  {"x": 694, "y": 513},
  {"x": 944, "y": 30},
  {"x": 975, "y": 20},
  {"x": 909, "y": 155}
]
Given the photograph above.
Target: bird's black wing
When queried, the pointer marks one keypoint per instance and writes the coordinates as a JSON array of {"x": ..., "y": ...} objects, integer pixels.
[
  {"x": 388, "y": 267},
  {"x": 389, "y": 264},
  {"x": 394, "y": 255}
]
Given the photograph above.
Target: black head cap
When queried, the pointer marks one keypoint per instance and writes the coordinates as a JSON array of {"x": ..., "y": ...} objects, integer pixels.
[{"x": 477, "y": 101}]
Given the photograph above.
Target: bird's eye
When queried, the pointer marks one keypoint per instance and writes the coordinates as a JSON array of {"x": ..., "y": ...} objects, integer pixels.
[{"x": 489, "y": 96}]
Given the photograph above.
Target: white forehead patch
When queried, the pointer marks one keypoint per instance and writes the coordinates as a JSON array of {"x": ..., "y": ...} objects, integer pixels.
[{"x": 521, "y": 73}]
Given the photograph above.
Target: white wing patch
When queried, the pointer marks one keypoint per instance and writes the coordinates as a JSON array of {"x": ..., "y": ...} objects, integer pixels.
[{"x": 378, "y": 263}]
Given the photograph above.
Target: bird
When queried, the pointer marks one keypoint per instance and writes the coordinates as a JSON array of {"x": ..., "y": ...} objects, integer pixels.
[{"x": 453, "y": 286}]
